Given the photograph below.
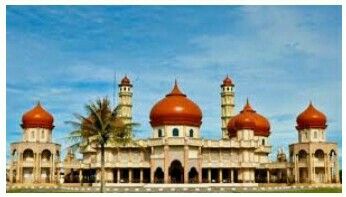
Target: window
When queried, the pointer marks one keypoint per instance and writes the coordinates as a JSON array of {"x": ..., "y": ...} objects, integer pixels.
[
  {"x": 32, "y": 134},
  {"x": 306, "y": 135},
  {"x": 315, "y": 134},
  {"x": 227, "y": 88},
  {"x": 42, "y": 133},
  {"x": 175, "y": 132},
  {"x": 160, "y": 133},
  {"x": 191, "y": 133},
  {"x": 263, "y": 142}
]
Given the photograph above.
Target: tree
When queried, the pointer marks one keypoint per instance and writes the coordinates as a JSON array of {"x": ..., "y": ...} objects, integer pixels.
[{"x": 101, "y": 127}]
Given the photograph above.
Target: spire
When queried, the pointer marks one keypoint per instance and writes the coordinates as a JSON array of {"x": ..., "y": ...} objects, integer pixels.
[
  {"x": 247, "y": 106},
  {"x": 176, "y": 91}
]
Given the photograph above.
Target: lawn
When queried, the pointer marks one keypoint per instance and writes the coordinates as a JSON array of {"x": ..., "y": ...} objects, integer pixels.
[{"x": 167, "y": 190}]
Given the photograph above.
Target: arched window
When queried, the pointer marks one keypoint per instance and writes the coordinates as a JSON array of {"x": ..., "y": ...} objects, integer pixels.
[
  {"x": 315, "y": 134},
  {"x": 263, "y": 142},
  {"x": 42, "y": 133},
  {"x": 175, "y": 132},
  {"x": 191, "y": 133},
  {"x": 32, "y": 134},
  {"x": 227, "y": 88},
  {"x": 160, "y": 133}
]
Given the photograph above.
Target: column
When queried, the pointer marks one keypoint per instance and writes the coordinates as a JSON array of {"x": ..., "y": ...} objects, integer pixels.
[
  {"x": 329, "y": 169},
  {"x": 336, "y": 169},
  {"x": 18, "y": 167},
  {"x": 186, "y": 164},
  {"x": 232, "y": 176},
  {"x": 51, "y": 169},
  {"x": 11, "y": 175},
  {"x": 268, "y": 176},
  {"x": 220, "y": 175},
  {"x": 80, "y": 177},
  {"x": 53, "y": 180},
  {"x": 118, "y": 175},
  {"x": 310, "y": 167},
  {"x": 325, "y": 169},
  {"x": 39, "y": 165},
  {"x": 296, "y": 169},
  {"x": 313, "y": 168},
  {"x": 34, "y": 170},
  {"x": 199, "y": 165},
  {"x": 287, "y": 175},
  {"x": 166, "y": 164},
  {"x": 71, "y": 175},
  {"x": 141, "y": 175},
  {"x": 209, "y": 175},
  {"x": 130, "y": 175}
]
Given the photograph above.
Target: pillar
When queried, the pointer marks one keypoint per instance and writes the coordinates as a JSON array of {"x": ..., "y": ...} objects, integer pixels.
[
  {"x": 287, "y": 175},
  {"x": 268, "y": 176},
  {"x": 39, "y": 166},
  {"x": 11, "y": 174},
  {"x": 186, "y": 164},
  {"x": 53, "y": 170},
  {"x": 296, "y": 169},
  {"x": 18, "y": 167},
  {"x": 166, "y": 165},
  {"x": 130, "y": 175},
  {"x": 71, "y": 175},
  {"x": 336, "y": 166},
  {"x": 80, "y": 176},
  {"x": 141, "y": 175},
  {"x": 220, "y": 175},
  {"x": 310, "y": 168},
  {"x": 313, "y": 168},
  {"x": 34, "y": 170},
  {"x": 325, "y": 169},
  {"x": 118, "y": 175},
  {"x": 209, "y": 175},
  {"x": 199, "y": 165},
  {"x": 232, "y": 176}
]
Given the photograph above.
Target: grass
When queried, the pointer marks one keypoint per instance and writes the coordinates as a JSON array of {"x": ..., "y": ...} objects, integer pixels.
[{"x": 227, "y": 190}]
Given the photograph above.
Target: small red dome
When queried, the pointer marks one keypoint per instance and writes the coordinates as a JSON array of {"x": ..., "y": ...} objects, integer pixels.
[
  {"x": 227, "y": 82},
  {"x": 125, "y": 82},
  {"x": 37, "y": 118},
  {"x": 248, "y": 119},
  {"x": 311, "y": 118},
  {"x": 175, "y": 109}
]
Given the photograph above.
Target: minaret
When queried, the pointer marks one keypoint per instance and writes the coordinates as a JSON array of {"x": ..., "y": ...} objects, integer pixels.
[
  {"x": 227, "y": 104},
  {"x": 125, "y": 100}
]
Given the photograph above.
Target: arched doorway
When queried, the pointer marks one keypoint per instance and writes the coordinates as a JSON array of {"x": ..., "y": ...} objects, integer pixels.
[
  {"x": 158, "y": 175},
  {"x": 176, "y": 172},
  {"x": 193, "y": 175}
]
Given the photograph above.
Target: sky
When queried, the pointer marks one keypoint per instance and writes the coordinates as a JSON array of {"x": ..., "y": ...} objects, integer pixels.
[{"x": 280, "y": 57}]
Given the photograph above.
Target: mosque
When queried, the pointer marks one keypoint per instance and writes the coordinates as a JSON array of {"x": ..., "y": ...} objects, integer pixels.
[{"x": 176, "y": 153}]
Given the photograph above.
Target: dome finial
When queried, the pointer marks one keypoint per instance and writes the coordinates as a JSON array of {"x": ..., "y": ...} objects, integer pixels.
[
  {"x": 176, "y": 91},
  {"x": 38, "y": 103}
]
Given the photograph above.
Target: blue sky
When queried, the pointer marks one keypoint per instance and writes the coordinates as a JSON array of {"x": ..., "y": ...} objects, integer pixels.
[{"x": 280, "y": 57}]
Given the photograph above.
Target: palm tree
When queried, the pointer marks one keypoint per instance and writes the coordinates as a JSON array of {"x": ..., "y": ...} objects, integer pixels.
[{"x": 101, "y": 127}]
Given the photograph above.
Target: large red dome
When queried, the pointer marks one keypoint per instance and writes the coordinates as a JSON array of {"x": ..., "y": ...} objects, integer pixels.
[
  {"x": 311, "y": 118},
  {"x": 175, "y": 109},
  {"x": 248, "y": 119},
  {"x": 37, "y": 118}
]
